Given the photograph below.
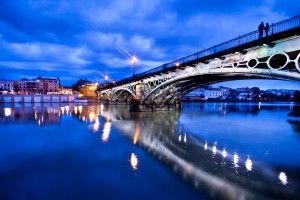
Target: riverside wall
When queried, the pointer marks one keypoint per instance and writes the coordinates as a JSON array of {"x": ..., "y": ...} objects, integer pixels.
[{"x": 32, "y": 98}]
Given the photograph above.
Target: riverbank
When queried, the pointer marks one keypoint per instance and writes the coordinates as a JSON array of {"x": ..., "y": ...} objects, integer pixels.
[
  {"x": 31, "y": 98},
  {"x": 236, "y": 101}
]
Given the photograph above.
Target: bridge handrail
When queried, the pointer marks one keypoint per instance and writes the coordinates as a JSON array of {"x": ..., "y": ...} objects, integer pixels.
[{"x": 276, "y": 28}]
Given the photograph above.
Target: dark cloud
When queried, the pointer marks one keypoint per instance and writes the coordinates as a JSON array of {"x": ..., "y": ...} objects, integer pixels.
[{"x": 88, "y": 39}]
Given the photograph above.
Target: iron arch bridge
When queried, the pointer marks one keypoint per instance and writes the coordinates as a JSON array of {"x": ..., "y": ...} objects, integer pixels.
[{"x": 273, "y": 57}]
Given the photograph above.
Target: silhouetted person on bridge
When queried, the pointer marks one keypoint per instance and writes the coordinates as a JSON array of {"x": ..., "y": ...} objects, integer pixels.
[
  {"x": 261, "y": 30},
  {"x": 267, "y": 27}
]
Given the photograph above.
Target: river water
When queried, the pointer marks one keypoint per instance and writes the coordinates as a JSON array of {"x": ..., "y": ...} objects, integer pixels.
[{"x": 204, "y": 151}]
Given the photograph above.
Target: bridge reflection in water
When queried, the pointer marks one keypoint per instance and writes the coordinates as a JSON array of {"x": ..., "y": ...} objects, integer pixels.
[
  {"x": 222, "y": 173},
  {"x": 219, "y": 172}
]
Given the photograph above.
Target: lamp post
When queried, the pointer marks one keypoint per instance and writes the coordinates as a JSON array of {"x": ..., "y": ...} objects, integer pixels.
[
  {"x": 133, "y": 61},
  {"x": 106, "y": 78}
]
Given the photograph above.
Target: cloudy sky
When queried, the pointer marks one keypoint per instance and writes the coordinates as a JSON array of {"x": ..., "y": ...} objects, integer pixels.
[{"x": 74, "y": 39}]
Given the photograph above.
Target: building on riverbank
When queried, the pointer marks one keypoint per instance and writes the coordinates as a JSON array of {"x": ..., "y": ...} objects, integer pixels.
[
  {"x": 6, "y": 86},
  {"x": 48, "y": 85},
  {"x": 88, "y": 90},
  {"x": 39, "y": 85},
  {"x": 205, "y": 94},
  {"x": 25, "y": 86},
  {"x": 239, "y": 94}
]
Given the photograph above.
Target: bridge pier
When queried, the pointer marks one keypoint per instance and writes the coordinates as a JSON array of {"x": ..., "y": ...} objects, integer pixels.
[{"x": 153, "y": 107}]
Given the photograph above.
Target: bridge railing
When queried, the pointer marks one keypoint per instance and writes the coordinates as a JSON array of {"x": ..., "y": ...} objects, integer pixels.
[{"x": 276, "y": 28}]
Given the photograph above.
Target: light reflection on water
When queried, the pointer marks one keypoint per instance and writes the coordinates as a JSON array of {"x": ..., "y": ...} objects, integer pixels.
[
  {"x": 106, "y": 131},
  {"x": 283, "y": 178},
  {"x": 248, "y": 174},
  {"x": 248, "y": 164},
  {"x": 134, "y": 161},
  {"x": 224, "y": 169},
  {"x": 7, "y": 112},
  {"x": 235, "y": 160},
  {"x": 136, "y": 134},
  {"x": 224, "y": 153},
  {"x": 214, "y": 150}
]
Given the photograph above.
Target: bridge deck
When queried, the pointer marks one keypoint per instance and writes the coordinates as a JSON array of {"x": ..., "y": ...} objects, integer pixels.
[{"x": 278, "y": 31}]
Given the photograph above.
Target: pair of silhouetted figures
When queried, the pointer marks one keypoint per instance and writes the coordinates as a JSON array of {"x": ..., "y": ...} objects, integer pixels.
[{"x": 262, "y": 28}]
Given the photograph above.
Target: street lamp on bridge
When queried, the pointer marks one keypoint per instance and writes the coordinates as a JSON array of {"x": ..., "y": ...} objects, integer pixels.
[
  {"x": 105, "y": 78},
  {"x": 133, "y": 61}
]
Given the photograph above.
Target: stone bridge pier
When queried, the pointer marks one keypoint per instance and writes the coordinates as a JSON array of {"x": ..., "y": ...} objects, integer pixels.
[{"x": 135, "y": 93}]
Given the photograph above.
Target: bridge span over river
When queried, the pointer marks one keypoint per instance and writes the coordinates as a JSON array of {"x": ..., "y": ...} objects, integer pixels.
[{"x": 245, "y": 57}]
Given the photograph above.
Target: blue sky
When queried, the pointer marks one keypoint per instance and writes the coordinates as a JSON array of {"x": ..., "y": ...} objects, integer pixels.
[{"x": 74, "y": 39}]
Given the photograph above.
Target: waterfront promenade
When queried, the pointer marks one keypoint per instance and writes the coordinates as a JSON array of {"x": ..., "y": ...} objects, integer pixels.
[{"x": 31, "y": 98}]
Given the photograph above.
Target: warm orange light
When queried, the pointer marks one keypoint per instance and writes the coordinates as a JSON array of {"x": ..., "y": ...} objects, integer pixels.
[
  {"x": 92, "y": 116},
  {"x": 106, "y": 131},
  {"x": 96, "y": 125},
  {"x": 75, "y": 110},
  {"x": 80, "y": 109},
  {"x": 177, "y": 64},
  {"x": 137, "y": 134},
  {"x": 133, "y": 60}
]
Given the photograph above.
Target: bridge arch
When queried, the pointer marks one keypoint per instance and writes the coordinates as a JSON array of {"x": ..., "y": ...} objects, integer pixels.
[
  {"x": 116, "y": 93},
  {"x": 281, "y": 62},
  {"x": 297, "y": 62},
  {"x": 252, "y": 63},
  {"x": 191, "y": 81}
]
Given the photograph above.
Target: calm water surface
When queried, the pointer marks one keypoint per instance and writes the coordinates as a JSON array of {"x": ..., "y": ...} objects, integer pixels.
[{"x": 205, "y": 151}]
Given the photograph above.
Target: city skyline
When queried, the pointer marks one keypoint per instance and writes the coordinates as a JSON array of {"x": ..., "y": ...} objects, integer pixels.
[{"x": 77, "y": 39}]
